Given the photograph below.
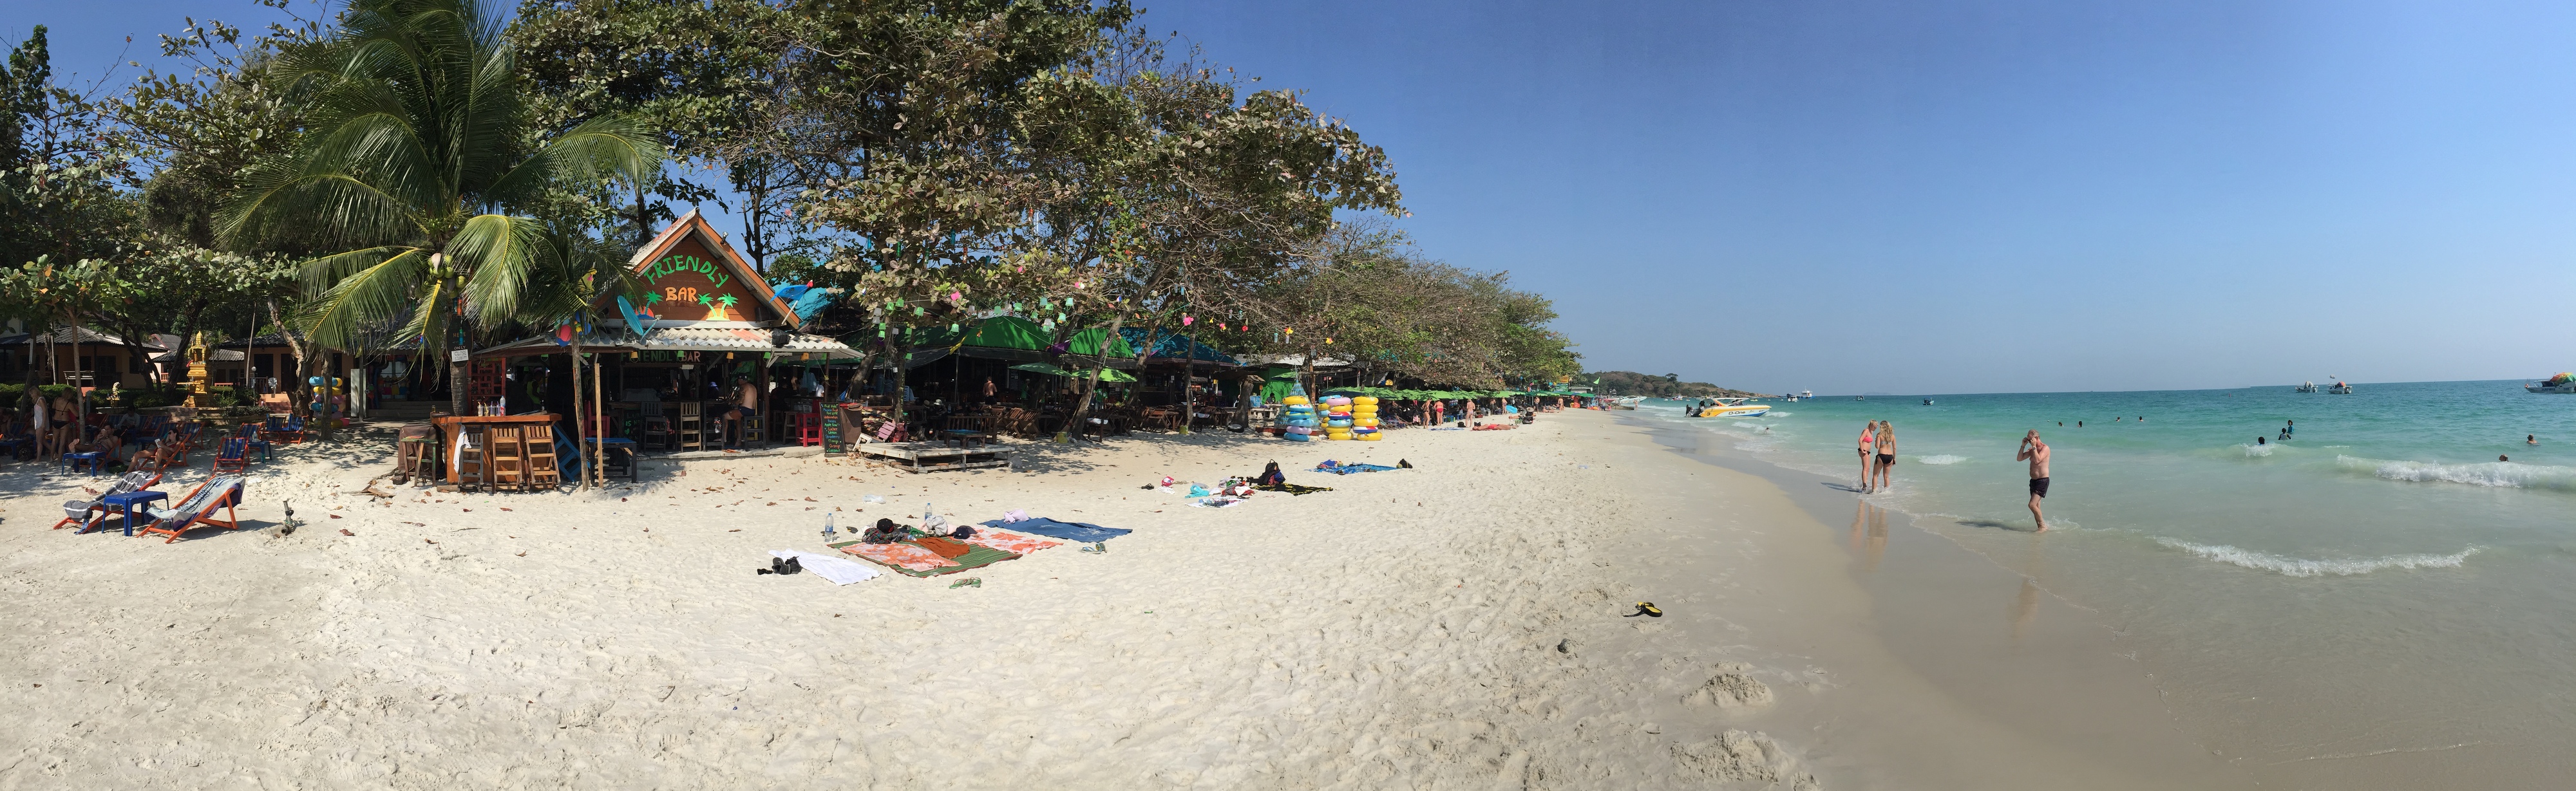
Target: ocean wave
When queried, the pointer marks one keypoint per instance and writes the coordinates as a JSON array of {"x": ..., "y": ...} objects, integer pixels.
[
  {"x": 1742, "y": 424},
  {"x": 2303, "y": 567},
  {"x": 2502, "y": 474},
  {"x": 1943, "y": 458},
  {"x": 2257, "y": 451},
  {"x": 1778, "y": 413}
]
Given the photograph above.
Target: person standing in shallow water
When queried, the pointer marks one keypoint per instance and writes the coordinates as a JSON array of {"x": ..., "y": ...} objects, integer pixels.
[
  {"x": 1868, "y": 441},
  {"x": 1886, "y": 452},
  {"x": 2035, "y": 452}
]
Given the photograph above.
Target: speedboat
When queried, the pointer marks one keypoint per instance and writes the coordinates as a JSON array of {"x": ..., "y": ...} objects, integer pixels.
[
  {"x": 2305, "y": 387},
  {"x": 2563, "y": 383},
  {"x": 2339, "y": 388},
  {"x": 1735, "y": 407},
  {"x": 1927, "y": 402}
]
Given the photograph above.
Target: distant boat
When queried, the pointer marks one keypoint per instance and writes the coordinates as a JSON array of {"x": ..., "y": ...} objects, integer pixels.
[
  {"x": 2305, "y": 387},
  {"x": 1807, "y": 394},
  {"x": 1927, "y": 402},
  {"x": 2563, "y": 383},
  {"x": 2339, "y": 388}
]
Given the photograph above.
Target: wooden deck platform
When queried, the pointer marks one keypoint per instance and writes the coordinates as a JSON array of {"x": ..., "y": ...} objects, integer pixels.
[{"x": 935, "y": 456}]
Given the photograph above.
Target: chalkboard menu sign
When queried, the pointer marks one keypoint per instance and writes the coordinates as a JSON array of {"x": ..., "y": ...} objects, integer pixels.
[{"x": 832, "y": 430}]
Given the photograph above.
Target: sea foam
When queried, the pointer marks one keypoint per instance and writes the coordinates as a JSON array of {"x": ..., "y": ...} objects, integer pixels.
[
  {"x": 1941, "y": 459},
  {"x": 2303, "y": 567},
  {"x": 2504, "y": 474}
]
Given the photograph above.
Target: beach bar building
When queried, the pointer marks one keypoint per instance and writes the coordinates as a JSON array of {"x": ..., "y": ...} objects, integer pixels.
[{"x": 665, "y": 370}]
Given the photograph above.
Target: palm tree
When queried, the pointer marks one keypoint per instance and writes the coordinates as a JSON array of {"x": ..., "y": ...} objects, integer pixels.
[{"x": 419, "y": 151}]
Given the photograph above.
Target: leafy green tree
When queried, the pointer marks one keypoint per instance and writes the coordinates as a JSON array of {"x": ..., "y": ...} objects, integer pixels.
[{"x": 419, "y": 148}]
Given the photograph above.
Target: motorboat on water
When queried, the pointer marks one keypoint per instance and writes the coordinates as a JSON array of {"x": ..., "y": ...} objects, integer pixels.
[
  {"x": 2305, "y": 387},
  {"x": 1625, "y": 402},
  {"x": 1734, "y": 407},
  {"x": 1807, "y": 394},
  {"x": 1927, "y": 402},
  {"x": 2339, "y": 388},
  {"x": 2564, "y": 383}
]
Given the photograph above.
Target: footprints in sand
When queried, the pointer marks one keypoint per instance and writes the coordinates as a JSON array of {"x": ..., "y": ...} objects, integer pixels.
[
  {"x": 1733, "y": 688},
  {"x": 1744, "y": 757}
]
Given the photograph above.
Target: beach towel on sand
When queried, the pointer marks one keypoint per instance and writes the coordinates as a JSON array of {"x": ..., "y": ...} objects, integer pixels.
[
  {"x": 1293, "y": 489},
  {"x": 1069, "y": 531},
  {"x": 1007, "y": 541},
  {"x": 840, "y": 571},
  {"x": 914, "y": 561},
  {"x": 1348, "y": 469}
]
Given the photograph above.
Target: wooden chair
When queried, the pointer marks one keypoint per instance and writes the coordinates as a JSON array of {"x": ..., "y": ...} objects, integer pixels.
[
  {"x": 506, "y": 454},
  {"x": 656, "y": 427},
  {"x": 751, "y": 429},
  {"x": 690, "y": 428},
  {"x": 198, "y": 508},
  {"x": 539, "y": 441}
]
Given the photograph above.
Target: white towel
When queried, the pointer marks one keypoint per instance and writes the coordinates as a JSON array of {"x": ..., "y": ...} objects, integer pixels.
[{"x": 841, "y": 571}]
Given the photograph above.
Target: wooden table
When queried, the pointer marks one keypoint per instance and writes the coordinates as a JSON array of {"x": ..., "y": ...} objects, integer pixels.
[{"x": 450, "y": 427}]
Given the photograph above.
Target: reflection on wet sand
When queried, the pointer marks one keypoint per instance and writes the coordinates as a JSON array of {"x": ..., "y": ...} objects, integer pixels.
[
  {"x": 1869, "y": 535},
  {"x": 2026, "y": 603}
]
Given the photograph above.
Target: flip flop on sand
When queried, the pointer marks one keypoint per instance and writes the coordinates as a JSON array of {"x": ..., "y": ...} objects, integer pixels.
[
  {"x": 969, "y": 582},
  {"x": 1097, "y": 548},
  {"x": 1645, "y": 608}
]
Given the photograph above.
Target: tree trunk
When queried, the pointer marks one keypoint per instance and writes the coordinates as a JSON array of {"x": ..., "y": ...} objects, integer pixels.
[
  {"x": 295, "y": 404},
  {"x": 580, "y": 431},
  {"x": 1090, "y": 384},
  {"x": 599, "y": 417},
  {"x": 899, "y": 341}
]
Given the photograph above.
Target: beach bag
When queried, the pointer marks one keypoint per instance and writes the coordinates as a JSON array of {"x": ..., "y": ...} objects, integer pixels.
[{"x": 936, "y": 526}]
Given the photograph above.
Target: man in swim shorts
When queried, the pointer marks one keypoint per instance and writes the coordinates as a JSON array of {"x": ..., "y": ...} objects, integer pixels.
[{"x": 2035, "y": 452}]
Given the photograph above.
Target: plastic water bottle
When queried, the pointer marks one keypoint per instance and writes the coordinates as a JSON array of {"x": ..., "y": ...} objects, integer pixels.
[{"x": 828, "y": 534}]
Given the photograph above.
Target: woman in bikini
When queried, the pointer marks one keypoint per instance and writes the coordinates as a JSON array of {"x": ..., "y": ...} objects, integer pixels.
[
  {"x": 1868, "y": 439},
  {"x": 1886, "y": 452}
]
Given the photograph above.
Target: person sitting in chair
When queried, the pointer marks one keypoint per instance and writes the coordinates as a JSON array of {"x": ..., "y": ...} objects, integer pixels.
[{"x": 746, "y": 404}]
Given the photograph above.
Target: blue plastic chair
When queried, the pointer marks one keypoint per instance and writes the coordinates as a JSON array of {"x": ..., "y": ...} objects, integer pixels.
[{"x": 250, "y": 436}]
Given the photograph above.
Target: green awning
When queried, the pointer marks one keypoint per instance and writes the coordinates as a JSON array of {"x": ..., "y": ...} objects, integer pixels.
[{"x": 1106, "y": 374}]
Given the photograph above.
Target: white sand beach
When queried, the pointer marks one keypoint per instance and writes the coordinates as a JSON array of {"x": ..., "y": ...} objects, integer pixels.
[{"x": 1457, "y": 625}]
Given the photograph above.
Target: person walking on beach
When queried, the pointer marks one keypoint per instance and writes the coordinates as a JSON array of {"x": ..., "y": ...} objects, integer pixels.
[
  {"x": 2035, "y": 452},
  {"x": 1868, "y": 446},
  {"x": 1886, "y": 452}
]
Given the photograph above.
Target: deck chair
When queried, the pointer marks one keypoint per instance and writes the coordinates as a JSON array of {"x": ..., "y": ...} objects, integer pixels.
[
  {"x": 250, "y": 436},
  {"x": 198, "y": 508},
  {"x": 232, "y": 457},
  {"x": 88, "y": 513},
  {"x": 292, "y": 431}
]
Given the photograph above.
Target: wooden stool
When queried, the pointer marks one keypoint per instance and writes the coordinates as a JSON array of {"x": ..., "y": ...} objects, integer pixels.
[
  {"x": 689, "y": 427},
  {"x": 419, "y": 457},
  {"x": 473, "y": 467},
  {"x": 540, "y": 446},
  {"x": 750, "y": 430},
  {"x": 507, "y": 456}
]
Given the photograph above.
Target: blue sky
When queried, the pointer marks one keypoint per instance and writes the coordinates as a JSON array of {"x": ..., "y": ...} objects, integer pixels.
[{"x": 1944, "y": 196}]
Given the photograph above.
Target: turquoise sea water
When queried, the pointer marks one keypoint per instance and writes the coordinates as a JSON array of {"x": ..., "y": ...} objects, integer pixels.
[{"x": 2379, "y": 583}]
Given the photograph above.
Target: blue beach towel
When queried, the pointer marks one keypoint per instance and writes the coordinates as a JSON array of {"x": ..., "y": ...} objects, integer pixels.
[
  {"x": 1069, "y": 531},
  {"x": 1347, "y": 469}
]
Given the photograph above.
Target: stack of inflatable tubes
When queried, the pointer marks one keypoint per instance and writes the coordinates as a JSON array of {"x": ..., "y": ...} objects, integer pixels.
[
  {"x": 1298, "y": 420},
  {"x": 1364, "y": 422},
  {"x": 1337, "y": 417}
]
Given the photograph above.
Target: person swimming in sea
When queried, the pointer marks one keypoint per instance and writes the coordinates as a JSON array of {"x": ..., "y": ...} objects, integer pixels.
[{"x": 2531, "y": 439}]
